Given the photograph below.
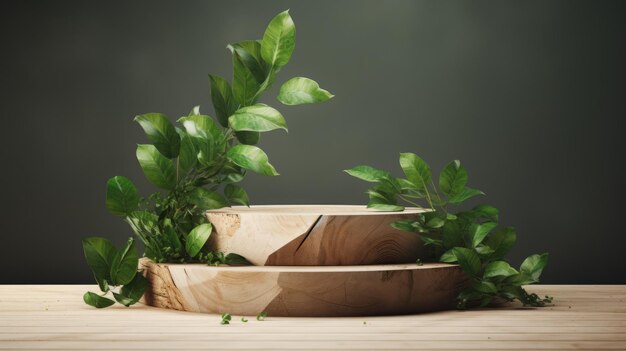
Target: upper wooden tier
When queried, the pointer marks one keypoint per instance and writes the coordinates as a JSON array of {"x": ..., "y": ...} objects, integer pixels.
[{"x": 315, "y": 235}]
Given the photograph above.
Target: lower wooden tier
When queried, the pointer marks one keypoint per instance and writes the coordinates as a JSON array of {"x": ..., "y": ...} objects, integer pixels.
[{"x": 312, "y": 291}]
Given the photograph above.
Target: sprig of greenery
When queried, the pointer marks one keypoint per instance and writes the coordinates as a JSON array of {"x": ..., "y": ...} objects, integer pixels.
[
  {"x": 199, "y": 163},
  {"x": 470, "y": 238},
  {"x": 115, "y": 271}
]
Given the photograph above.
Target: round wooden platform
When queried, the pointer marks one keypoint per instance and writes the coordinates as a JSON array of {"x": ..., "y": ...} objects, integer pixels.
[
  {"x": 304, "y": 291},
  {"x": 315, "y": 235}
]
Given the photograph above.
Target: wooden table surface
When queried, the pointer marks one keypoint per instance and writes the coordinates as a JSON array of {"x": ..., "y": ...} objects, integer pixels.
[{"x": 55, "y": 317}]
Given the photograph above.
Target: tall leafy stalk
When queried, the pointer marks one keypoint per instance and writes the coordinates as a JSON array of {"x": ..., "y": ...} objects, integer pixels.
[
  {"x": 198, "y": 164},
  {"x": 470, "y": 238}
]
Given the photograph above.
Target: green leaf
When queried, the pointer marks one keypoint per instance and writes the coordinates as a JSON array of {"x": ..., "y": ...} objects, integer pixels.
[
  {"x": 382, "y": 200},
  {"x": 405, "y": 225},
  {"x": 236, "y": 194},
  {"x": 99, "y": 253},
  {"x": 171, "y": 235},
  {"x": 367, "y": 173},
  {"x": 188, "y": 156},
  {"x": 248, "y": 138},
  {"x": 159, "y": 170},
  {"x": 486, "y": 211},
  {"x": 134, "y": 290},
  {"x": 499, "y": 269},
  {"x": 207, "y": 200},
  {"x": 430, "y": 241},
  {"x": 96, "y": 300},
  {"x": 197, "y": 238},
  {"x": 261, "y": 316},
  {"x": 257, "y": 118},
  {"x": 452, "y": 179},
  {"x": 124, "y": 264},
  {"x": 279, "y": 40},
  {"x": 464, "y": 195},
  {"x": 300, "y": 90},
  {"x": 223, "y": 100},
  {"x": 484, "y": 250},
  {"x": 468, "y": 259},
  {"x": 245, "y": 85},
  {"x": 251, "y": 158},
  {"x": 435, "y": 223},
  {"x": 522, "y": 278},
  {"x": 122, "y": 196},
  {"x": 534, "y": 265},
  {"x": 250, "y": 53},
  {"x": 501, "y": 242},
  {"x": 234, "y": 259},
  {"x": 161, "y": 133},
  {"x": 206, "y": 135},
  {"x": 452, "y": 235},
  {"x": 126, "y": 301},
  {"x": 484, "y": 286},
  {"x": 448, "y": 256},
  {"x": 415, "y": 169},
  {"x": 478, "y": 232}
]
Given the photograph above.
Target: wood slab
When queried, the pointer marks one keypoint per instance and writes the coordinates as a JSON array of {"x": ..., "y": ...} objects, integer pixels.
[
  {"x": 303, "y": 291},
  {"x": 315, "y": 235}
]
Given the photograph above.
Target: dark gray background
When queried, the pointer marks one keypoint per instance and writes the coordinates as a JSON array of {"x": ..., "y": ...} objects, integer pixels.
[{"x": 529, "y": 95}]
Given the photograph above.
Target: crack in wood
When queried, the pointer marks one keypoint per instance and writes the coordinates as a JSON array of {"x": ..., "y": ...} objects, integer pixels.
[{"x": 309, "y": 232}]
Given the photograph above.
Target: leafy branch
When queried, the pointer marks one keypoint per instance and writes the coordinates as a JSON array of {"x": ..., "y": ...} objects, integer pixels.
[
  {"x": 470, "y": 238},
  {"x": 199, "y": 163}
]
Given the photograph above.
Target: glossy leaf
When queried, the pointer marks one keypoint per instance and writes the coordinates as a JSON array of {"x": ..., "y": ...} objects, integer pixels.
[
  {"x": 159, "y": 170},
  {"x": 250, "y": 54},
  {"x": 134, "y": 290},
  {"x": 206, "y": 136},
  {"x": 197, "y": 238},
  {"x": 452, "y": 179},
  {"x": 448, "y": 256},
  {"x": 501, "y": 242},
  {"x": 207, "y": 200},
  {"x": 499, "y": 269},
  {"x": 486, "y": 211},
  {"x": 96, "y": 300},
  {"x": 188, "y": 156},
  {"x": 236, "y": 194},
  {"x": 248, "y": 138},
  {"x": 122, "y": 196},
  {"x": 465, "y": 194},
  {"x": 124, "y": 264},
  {"x": 367, "y": 173},
  {"x": 478, "y": 232},
  {"x": 223, "y": 100},
  {"x": 99, "y": 253},
  {"x": 534, "y": 265},
  {"x": 452, "y": 235},
  {"x": 257, "y": 118},
  {"x": 245, "y": 85},
  {"x": 301, "y": 90},
  {"x": 279, "y": 40},
  {"x": 171, "y": 235},
  {"x": 483, "y": 286},
  {"x": 251, "y": 158},
  {"x": 435, "y": 223},
  {"x": 468, "y": 260},
  {"x": 415, "y": 169},
  {"x": 161, "y": 133}
]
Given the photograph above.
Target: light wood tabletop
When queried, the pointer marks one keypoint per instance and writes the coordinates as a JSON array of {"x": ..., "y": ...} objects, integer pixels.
[{"x": 55, "y": 317}]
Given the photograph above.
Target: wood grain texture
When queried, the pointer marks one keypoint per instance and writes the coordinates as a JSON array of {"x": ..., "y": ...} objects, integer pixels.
[
  {"x": 304, "y": 291},
  {"x": 315, "y": 235},
  {"x": 54, "y": 317}
]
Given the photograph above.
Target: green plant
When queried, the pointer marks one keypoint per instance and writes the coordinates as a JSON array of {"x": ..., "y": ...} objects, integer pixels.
[
  {"x": 467, "y": 237},
  {"x": 115, "y": 271},
  {"x": 200, "y": 163}
]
